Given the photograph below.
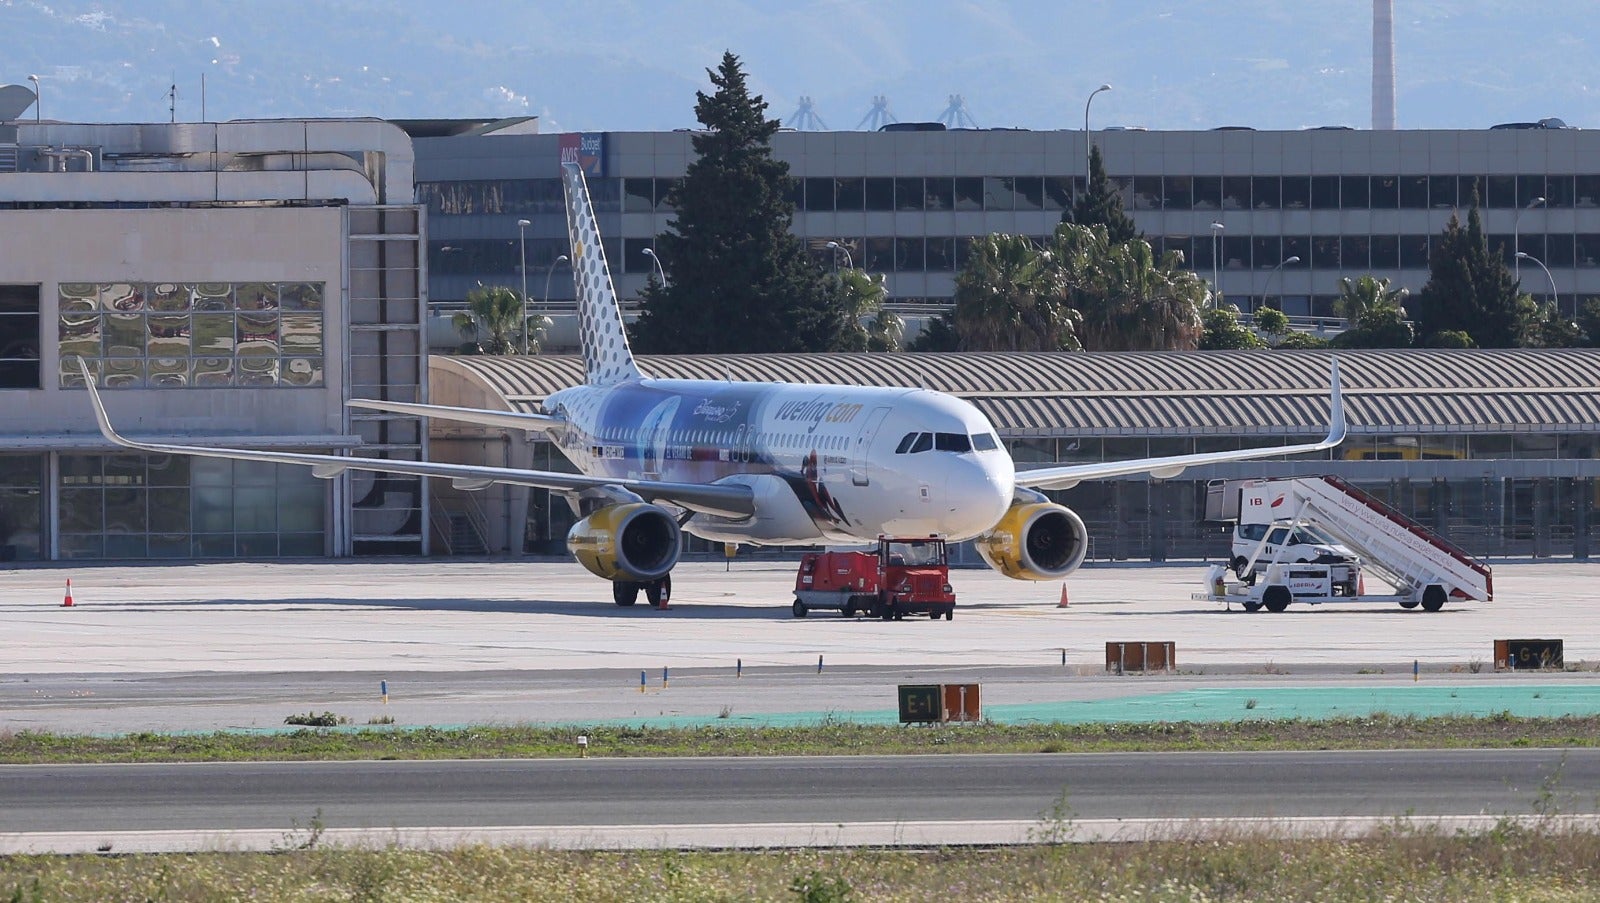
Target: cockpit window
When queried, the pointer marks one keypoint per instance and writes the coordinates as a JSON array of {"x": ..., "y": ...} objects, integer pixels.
[
  {"x": 905, "y": 443},
  {"x": 985, "y": 442},
  {"x": 952, "y": 442},
  {"x": 923, "y": 442}
]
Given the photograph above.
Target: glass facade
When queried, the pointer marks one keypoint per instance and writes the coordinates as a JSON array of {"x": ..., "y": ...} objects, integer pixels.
[
  {"x": 22, "y": 502},
  {"x": 193, "y": 334},
  {"x": 174, "y": 506}
]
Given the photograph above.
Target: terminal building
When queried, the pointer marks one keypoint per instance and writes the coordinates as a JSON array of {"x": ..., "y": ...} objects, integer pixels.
[
  {"x": 1495, "y": 449},
  {"x": 1273, "y": 217},
  {"x": 237, "y": 282},
  {"x": 224, "y": 282}
]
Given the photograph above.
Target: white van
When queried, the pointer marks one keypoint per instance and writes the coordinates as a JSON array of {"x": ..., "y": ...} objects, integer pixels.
[{"x": 1304, "y": 543}]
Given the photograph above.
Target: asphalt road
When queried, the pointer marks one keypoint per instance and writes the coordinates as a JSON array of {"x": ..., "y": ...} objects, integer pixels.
[{"x": 830, "y": 790}]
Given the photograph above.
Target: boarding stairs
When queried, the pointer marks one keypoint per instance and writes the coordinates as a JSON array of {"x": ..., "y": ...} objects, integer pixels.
[{"x": 1402, "y": 551}]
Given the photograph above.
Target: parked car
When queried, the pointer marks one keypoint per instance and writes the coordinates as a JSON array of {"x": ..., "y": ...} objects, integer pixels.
[{"x": 1304, "y": 543}]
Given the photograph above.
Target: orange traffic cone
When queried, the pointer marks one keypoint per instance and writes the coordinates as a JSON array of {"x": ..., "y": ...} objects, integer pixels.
[
  {"x": 67, "y": 602},
  {"x": 1063, "y": 602},
  {"x": 1361, "y": 585}
]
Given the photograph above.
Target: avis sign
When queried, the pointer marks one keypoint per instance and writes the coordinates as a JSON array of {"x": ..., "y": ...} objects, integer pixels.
[{"x": 588, "y": 150}]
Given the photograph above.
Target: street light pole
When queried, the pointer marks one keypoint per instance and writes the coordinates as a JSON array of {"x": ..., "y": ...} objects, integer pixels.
[
  {"x": 651, "y": 253},
  {"x": 547, "y": 273},
  {"x": 1554, "y": 295},
  {"x": 1086, "y": 150},
  {"x": 1516, "y": 244},
  {"x": 849, "y": 262},
  {"x": 522, "y": 266},
  {"x": 38, "y": 99},
  {"x": 1276, "y": 271},
  {"x": 1216, "y": 234}
]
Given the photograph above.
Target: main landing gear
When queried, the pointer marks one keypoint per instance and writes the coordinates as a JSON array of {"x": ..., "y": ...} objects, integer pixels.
[{"x": 658, "y": 593}]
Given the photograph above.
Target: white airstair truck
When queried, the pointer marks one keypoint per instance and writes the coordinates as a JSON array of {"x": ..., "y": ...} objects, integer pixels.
[{"x": 1424, "y": 568}]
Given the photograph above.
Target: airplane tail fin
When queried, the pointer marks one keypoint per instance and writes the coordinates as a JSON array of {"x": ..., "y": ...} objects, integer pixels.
[{"x": 607, "y": 359}]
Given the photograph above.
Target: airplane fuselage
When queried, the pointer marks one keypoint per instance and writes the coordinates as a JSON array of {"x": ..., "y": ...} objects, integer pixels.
[{"x": 836, "y": 463}]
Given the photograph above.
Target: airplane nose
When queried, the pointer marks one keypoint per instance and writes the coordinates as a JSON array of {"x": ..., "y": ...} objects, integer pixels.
[{"x": 977, "y": 494}]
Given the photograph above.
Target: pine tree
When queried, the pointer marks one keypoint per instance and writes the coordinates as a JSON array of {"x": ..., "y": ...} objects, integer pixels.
[
  {"x": 1101, "y": 205},
  {"x": 737, "y": 279},
  {"x": 1469, "y": 290}
]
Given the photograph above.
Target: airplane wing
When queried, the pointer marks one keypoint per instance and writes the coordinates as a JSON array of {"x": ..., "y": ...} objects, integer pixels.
[
  {"x": 465, "y": 415},
  {"x": 1065, "y": 477},
  {"x": 707, "y": 498}
]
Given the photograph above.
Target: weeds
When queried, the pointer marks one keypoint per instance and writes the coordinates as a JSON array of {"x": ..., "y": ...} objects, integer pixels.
[
  {"x": 814, "y": 887},
  {"x": 381, "y": 719},
  {"x": 1403, "y": 861},
  {"x": 312, "y": 719},
  {"x": 298, "y": 839},
  {"x": 834, "y": 736},
  {"x": 1475, "y": 665},
  {"x": 1249, "y": 703},
  {"x": 1055, "y": 824}
]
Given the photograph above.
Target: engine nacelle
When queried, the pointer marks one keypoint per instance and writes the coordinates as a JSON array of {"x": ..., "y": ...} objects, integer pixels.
[
  {"x": 636, "y": 541},
  {"x": 1035, "y": 541}
]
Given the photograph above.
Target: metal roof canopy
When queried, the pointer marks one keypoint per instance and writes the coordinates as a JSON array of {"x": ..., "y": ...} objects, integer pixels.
[{"x": 1173, "y": 393}]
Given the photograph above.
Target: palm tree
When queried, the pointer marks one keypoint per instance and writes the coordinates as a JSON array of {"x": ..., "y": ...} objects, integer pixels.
[
  {"x": 1357, "y": 296},
  {"x": 869, "y": 326},
  {"x": 1010, "y": 297},
  {"x": 494, "y": 320},
  {"x": 1129, "y": 300}
]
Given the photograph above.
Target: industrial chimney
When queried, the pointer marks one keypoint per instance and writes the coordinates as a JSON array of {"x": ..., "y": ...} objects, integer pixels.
[{"x": 1383, "y": 65}]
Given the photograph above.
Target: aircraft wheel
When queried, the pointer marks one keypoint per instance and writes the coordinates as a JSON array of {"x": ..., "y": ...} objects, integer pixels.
[
  {"x": 659, "y": 592},
  {"x": 1276, "y": 598},
  {"x": 799, "y": 609},
  {"x": 624, "y": 592},
  {"x": 1433, "y": 598}
]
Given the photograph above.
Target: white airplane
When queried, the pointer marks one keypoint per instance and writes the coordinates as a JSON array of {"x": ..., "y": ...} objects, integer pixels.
[{"x": 758, "y": 463}]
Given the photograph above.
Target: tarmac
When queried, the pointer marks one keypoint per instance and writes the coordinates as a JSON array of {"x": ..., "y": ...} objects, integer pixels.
[{"x": 243, "y": 645}]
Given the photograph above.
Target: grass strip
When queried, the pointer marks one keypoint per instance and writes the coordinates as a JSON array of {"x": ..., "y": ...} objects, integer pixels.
[
  {"x": 831, "y": 737},
  {"x": 1397, "y": 863}
]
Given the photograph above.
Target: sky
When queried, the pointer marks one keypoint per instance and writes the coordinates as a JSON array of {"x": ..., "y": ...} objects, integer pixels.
[{"x": 633, "y": 65}]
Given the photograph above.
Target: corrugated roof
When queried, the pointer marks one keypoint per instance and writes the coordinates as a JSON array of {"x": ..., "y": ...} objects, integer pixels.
[{"x": 1162, "y": 393}]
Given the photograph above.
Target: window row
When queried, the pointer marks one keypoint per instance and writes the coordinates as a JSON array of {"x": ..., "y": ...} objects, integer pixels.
[
  {"x": 1496, "y": 446},
  {"x": 199, "y": 372},
  {"x": 491, "y": 258},
  {"x": 524, "y": 197},
  {"x": 1365, "y": 252},
  {"x": 155, "y": 506},
  {"x": 160, "y": 335},
  {"x": 19, "y": 336},
  {"x": 178, "y": 297}
]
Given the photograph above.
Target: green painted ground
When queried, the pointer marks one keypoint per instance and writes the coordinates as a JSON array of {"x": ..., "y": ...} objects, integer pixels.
[{"x": 1524, "y": 700}]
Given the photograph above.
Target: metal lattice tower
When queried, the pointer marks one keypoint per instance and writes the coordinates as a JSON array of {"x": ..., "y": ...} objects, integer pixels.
[
  {"x": 879, "y": 115},
  {"x": 806, "y": 119},
  {"x": 956, "y": 116}
]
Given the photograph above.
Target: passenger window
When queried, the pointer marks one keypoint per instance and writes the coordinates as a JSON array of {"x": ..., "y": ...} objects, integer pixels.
[
  {"x": 985, "y": 442},
  {"x": 953, "y": 442},
  {"x": 924, "y": 441},
  {"x": 1276, "y": 537}
]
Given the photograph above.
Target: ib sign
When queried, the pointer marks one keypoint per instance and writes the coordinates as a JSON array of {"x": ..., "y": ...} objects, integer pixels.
[{"x": 588, "y": 150}]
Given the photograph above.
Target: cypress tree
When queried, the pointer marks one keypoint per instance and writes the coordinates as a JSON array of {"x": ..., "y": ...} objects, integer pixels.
[
  {"x": 737, "y": 279},
  {"x": 1469, "y": 290},
  {"x": 1100, "y": 205}
]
